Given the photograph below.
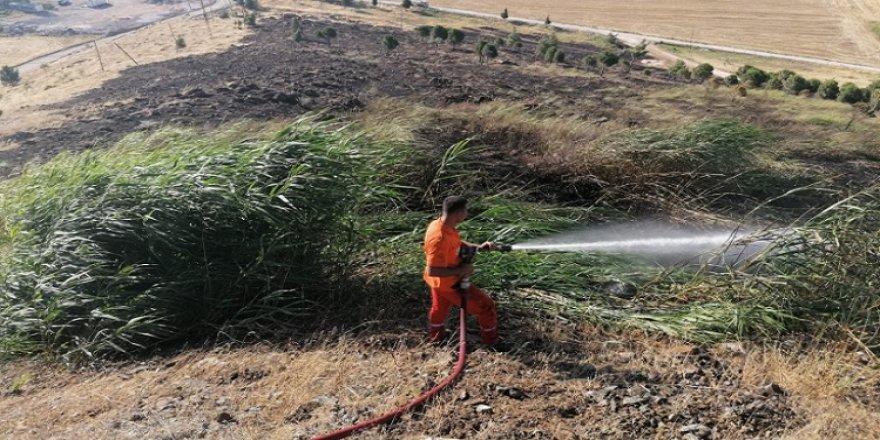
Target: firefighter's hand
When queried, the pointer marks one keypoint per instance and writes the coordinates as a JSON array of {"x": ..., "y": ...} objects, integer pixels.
[
  {"x": 487, "y": 246},
  {"x": 467, "y": 270}
]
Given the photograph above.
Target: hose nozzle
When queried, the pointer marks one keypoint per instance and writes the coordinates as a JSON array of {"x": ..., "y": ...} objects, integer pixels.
[{"x": 503, "y": 247}]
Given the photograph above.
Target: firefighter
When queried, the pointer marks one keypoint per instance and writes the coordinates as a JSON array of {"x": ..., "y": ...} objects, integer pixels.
[{"x": 444, "y": 270}]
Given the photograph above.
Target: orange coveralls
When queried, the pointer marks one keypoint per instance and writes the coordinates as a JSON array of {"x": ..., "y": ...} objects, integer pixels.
[{"x": 441, "y": 250}]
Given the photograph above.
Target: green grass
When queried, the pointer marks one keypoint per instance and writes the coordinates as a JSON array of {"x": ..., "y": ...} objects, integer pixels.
[
  {"x": 183, "y": 235},
  {"x": 180, "y": 235}
]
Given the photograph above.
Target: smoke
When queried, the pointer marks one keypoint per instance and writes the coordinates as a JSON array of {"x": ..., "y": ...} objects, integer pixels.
[{"x": 662, "y": 243}]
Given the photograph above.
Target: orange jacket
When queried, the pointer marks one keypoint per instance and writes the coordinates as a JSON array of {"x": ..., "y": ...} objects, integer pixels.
[{"x": 441, "y": 250}]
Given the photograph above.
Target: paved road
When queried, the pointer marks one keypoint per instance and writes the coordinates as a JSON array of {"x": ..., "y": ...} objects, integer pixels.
[{"x": 634, "y": 38}]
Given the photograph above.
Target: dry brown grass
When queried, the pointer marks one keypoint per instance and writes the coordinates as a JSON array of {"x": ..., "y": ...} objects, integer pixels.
[
  {"x": 61, "y": 80},
  {"x": 829, "y": 385},
  {"x": 18, "y": 49},
  {"x": 832, "y": 30}
]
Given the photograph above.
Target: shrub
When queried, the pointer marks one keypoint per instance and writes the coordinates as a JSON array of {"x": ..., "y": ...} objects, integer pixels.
[
  {"x": 504, "y": 14},
  {"x": 439, "y": 34},
  {"x": 547, "y": 42},
  {"x": 327, "y": 34},
  {"x": 375, "y": 2},
  {"x": 607, "y": 59},
  {"x": 179, "y": 42},
  {"x": 731, "y": 80},
  {"x": 514, "y": 40},
  {"x": 703, "y": 72},
  {"x": 250, "y": 19},
  {"x": 9, "y": 76},
  {"x": 500, "y": 42},
  {"x": 490, "y": 51},
  {"x": 478, "y": 48},
  {"x": 559, "y": 56},
  {"x": 251, "y": 4},
  {"x": 680, "y": 70},
  {"x": 828, "y": 89},
  {"x": 590, "y": 62},
  {"x": 390, "y": 43},
  {"x": 224, "y": 14},
  {"x": 794, "y": 84},
  {"x": 813, "y": 85},
  {"x": 456, "y": 37},
  {"x": 424, "y": 31},
  {"x": 550, "y": 54},
  {"x": 851, "y": 94},
  {"x": 406, "y": 4},
  {"x": 547, "y": 21},
  {"x": 179, "y": 236},
  {"x": 752, "y": 75}
]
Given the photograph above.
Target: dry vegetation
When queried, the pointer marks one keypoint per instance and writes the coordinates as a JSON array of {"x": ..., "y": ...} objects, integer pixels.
[
  {"x": 19, "y": 49},
  {"x": 831, "y": 30},
  {"x": 23, "y": 105}
]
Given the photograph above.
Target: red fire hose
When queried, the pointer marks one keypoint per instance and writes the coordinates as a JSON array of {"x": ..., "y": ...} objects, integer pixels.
[{"x": 418, "y": 401}]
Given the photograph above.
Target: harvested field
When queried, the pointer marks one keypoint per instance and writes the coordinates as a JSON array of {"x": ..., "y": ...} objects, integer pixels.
[
  {"x": 18, "y": 49},
  {"x": 834, "y": 30}
]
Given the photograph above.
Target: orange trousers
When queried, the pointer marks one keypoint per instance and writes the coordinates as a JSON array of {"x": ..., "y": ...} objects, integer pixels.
[{"x": 478, "y": 303}]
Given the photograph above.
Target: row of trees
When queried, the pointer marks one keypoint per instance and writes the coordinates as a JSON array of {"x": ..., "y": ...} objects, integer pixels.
[
  {"x": 792, "y": 83},
  {"x": 440, "y": 34}
]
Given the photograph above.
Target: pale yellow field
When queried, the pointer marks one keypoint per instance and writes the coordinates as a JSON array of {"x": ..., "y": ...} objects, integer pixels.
[
  {"x": 838, "y": 30},
  {"x": 55, "y": 82},
  {"x": 18, "y": 49}
]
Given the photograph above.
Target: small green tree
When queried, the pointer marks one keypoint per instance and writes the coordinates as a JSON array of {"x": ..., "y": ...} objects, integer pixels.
[
  {"x": 829, "y": 89},
  {"x": 490, "y": 51},
  {"x": 478, "y": 48},
  {"x": 504, "y": 14},
  {"x": 514, "y": 40},
  {"x": 424, "y": 31},
  {"x": 874, "y": 85},
  {"x": 406, "y": 4},
  {"x": 637, "y": 52},
  {"x": 850, "y": 93},
  {"x": 500, "y": 42},
  {"x": 731, "y": 80},
  {"x": 703, "y": 72},
  {"x": 547, "y": 21},
  {"x": 546, "y": 43},
  {"x": 455, "y": 37},
  {"x": 439, "y": 34},
  {"x": 9, "y": 76},
  {"x": 813, "y": 85},
  {"x": 327, "y": 34},
  {"x": 550, "y": 54},
  {"x": 390, "y": 43},
  {"x": 179, "y": 42},
  {"x": 607, "y": 59}
]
